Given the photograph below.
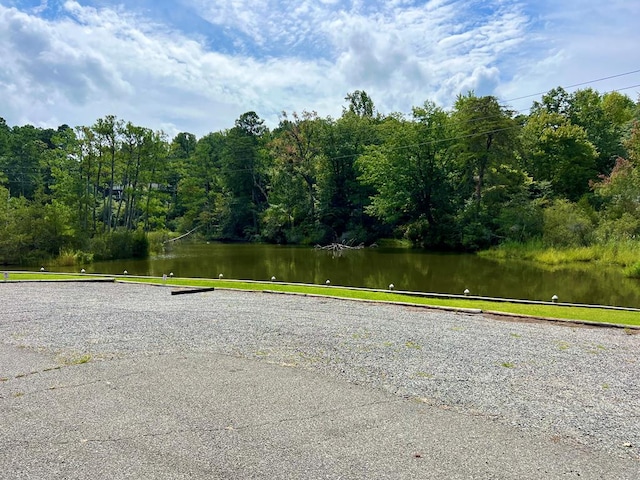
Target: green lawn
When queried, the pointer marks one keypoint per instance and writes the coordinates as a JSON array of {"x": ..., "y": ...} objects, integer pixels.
[
  {"x": 601, "y": 315},
  {"x": 21, "y": 276}
]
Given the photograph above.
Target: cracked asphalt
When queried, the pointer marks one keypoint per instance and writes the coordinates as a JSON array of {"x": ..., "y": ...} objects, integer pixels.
[{"x": 127, "y": 381}]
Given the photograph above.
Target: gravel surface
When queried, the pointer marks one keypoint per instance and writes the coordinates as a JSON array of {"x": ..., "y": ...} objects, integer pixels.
[{"x": 576, "y": 384}]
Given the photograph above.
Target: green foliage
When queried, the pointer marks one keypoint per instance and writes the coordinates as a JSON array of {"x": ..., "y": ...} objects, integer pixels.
[
  {"x": 139, "y": 244},
  {"x": 15, "y": 234},
  {"x": 342, "y": 198},
  {"x": 487, "y": 138},
  {"x": 602, "y": 123},
  {"x": 566, "y": 225},
  {"x": 624, "y": 253},
  {"x": 559, "y": 152},
  {"x": 633, "y": 271},
  {"x": 158, "y": 239},
  {"x": 520, "y": 219},
  {"x": 410, "y": 176},
  {"x": 465, "y": 179},
  {"x": 71, "y": 257},
  {"x": 624, "y": 227},
  {"x": 632, "y": 143},
  {"x": 619, "y": 193},
  {"x": 120, "y": 243},
  {"x": 474, "y": 227},
  {"x": 32, "y": 230},
  {"x": 241, "y": 179},
  {"x": 360, "y": 104}
]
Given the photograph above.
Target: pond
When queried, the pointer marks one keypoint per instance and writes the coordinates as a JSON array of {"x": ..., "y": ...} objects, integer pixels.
[{"x": 413, "y": 270}]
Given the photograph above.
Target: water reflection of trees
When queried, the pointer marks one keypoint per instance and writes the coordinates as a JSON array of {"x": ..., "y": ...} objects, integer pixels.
[{"x": 406, "y": 269}]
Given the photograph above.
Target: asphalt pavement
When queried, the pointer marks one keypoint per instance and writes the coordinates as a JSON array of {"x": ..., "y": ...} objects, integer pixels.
[{"x": 205, "y": 415}]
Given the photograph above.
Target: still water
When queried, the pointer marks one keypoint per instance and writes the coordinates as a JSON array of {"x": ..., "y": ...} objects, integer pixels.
[{"x": 378, "y": 267}]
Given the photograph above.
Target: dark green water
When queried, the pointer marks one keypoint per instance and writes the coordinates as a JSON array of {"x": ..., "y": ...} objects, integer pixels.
[{"x": 377, "y": 268}]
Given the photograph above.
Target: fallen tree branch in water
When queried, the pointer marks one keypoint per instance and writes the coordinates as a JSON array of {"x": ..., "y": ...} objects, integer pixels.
[
  {"x": 181, "y": 236},
  {"x": 338, "y": 247}
]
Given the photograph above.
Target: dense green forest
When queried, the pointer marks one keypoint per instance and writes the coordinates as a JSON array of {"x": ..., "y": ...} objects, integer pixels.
[{"x": 477, "y": 175}]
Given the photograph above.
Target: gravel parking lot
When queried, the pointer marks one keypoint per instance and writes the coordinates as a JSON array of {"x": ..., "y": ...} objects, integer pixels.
[{"x": 574, "y": 385}]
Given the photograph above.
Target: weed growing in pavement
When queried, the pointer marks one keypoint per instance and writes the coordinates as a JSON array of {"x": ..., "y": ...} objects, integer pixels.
[{"x": 77, "y": 360}]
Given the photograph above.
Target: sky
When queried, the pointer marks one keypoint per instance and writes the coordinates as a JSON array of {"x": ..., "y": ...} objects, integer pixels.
[{"x": 197, "y": 65}]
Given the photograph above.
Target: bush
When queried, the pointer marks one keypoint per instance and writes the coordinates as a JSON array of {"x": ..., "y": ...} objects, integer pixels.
[
  {"x": 158, "y": 239},
  {"x": 520, "y": 221},
  {"x": 69, "y": 258},
  {"x": 566, "y": 225},
  {"x": 442, "y": 235},
  {"x": 627, "y": 227},
  {"x": 120, "y": 244},
  {"x": 139, "y": 245},
  {"x": 633, "y": 271},
  {"x": 476, "y": 235}
]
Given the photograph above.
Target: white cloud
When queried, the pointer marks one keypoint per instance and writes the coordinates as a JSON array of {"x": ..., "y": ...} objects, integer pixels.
[
  {"x": 90, "y": 62},
  {"x": 407, "y": 55},
  {"x": 577, "y": 41}
]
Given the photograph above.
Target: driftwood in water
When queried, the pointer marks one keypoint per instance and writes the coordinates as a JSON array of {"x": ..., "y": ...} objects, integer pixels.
[
  {"x": 338, "y": 247},
  {"x": 181, "y": 236}
]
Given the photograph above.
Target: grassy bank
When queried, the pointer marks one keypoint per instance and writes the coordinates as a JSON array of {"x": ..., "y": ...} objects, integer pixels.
[
  {"x": 561, "y": 312},
  {"x": 623, "y": 254}
]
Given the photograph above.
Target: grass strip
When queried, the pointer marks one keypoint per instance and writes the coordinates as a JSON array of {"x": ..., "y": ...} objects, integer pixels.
[
  {"x": 560, "y": 312},
  {"x": 48, "y": 277}
]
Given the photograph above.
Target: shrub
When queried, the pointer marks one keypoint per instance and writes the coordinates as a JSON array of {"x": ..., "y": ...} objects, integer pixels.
[
  {"x": 619, "y": 229},
  {"x": 633, "y": 271},
  {"x": 566, "y": 225},
  {"x": 158, "y": 239},
  {"x": 139, "y": 245},
  {"x": 120, "y": 243},
  {"x": 68, "y": 258},
  {"x": 520, "y": 220}
]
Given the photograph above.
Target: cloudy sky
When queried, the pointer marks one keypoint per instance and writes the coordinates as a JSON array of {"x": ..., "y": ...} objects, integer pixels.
[{"x": 197, "y": 65}]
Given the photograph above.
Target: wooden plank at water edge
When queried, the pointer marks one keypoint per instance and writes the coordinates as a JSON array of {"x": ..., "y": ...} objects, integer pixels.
[{"x": 183, "y": 291}]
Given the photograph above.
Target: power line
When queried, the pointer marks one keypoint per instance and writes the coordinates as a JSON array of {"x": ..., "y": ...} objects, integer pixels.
[
  {"x": 578, "y": 85},
  {"x": 523, "y": 110},
  {"x": 441, "y": 140}
]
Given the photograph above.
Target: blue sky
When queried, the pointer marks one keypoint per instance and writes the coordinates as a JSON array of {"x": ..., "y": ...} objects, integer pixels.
[{"x": 197, "y": 65}]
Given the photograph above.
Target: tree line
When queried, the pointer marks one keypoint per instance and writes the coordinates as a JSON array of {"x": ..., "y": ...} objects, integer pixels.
[{"x": 467, "y": 178}]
